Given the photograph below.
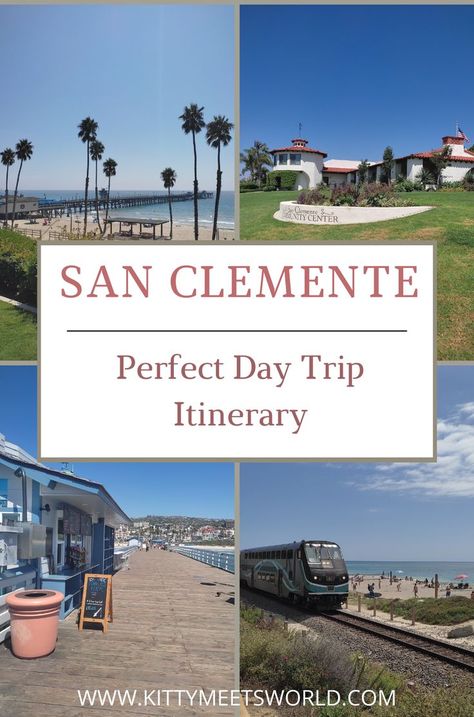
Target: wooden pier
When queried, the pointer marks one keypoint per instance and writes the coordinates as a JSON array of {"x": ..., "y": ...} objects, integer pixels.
[
  {"x": 75, "y": 206},
  {"x": 173, "y": 628}
]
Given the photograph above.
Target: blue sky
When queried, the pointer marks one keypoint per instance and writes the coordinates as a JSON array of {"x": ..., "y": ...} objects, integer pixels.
[
  {"x": 133, "y": 69},
  {"x": 194, "y": 489},
  {"x": 376, "y": 511},
  {"x": 357, "y": 78}
]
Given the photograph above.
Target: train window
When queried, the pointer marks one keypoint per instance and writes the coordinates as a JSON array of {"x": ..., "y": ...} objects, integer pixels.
[
  {"x": 283, "y": 554},
  {"x": 278, "y": 555},
  {"x": 289, "y": 554},
  {"x": 273, "y": 555}
]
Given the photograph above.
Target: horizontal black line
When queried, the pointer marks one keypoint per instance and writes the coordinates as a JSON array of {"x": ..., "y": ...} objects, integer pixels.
[{"x": 237, "y": 331}]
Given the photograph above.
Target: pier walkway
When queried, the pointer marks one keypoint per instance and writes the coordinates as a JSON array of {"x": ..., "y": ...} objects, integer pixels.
[
  {"x": 58, "y": 208},
  {"x": 173, "y": 628}
]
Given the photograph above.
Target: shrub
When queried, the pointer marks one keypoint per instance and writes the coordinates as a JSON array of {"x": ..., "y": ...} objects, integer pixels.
[
  {"x": 468, "y": 181},
  {"x": 287, "y": 179},
  {"x": 345, "y": 195},
  {"x": 319, "y": 195},
  {"x": 432, "y": 611},
  {"x": 406, "y": 185},
  {"x": 380, "y": 195},
  {"x": 18, "y": 267},
  {"x": 248, "y": 186}
]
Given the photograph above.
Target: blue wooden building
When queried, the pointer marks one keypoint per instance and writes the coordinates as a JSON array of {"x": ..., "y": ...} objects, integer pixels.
[{"x": 54, "y": 527}]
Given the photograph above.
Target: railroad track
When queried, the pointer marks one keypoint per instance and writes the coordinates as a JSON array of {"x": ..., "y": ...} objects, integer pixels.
[{"x": 453, "y": 654}]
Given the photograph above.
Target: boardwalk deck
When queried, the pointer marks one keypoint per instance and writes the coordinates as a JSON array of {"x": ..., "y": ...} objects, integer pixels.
[{"x": 173, "y": 629}]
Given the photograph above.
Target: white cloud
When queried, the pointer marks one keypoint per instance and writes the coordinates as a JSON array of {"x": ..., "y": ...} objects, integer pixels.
[{"x": 451, "y": 475}]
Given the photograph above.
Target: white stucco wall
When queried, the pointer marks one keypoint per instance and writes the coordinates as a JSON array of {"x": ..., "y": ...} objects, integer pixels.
[
  {"x": 311, "y": 165},
  {"x": 337, "y": 180},
  {"x": 414, "y": 167},
  {"x": 331, "y": 215},
  {"x": 456, "y": 172}
]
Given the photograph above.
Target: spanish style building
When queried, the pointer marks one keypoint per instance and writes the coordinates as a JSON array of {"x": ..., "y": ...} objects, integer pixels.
[{"x": 312, "y": 168}]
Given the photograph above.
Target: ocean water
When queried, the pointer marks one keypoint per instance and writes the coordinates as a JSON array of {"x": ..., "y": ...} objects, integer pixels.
[
  {"x": 182, "y": 211},
  {"x": 447, "y": 571}
]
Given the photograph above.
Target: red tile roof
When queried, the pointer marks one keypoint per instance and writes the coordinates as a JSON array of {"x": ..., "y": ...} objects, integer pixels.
[
  {"x": 340, "y": 170},
  {"x": 427, "y": 155},
  {"x": 295, "y": 150}
]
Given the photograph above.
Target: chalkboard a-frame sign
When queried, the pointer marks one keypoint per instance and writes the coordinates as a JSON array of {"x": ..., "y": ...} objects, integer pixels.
[{"x": 96, "y": 600}]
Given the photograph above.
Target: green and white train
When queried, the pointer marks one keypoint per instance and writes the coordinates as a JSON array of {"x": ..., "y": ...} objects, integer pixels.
[{"x": 311, "y": 572}]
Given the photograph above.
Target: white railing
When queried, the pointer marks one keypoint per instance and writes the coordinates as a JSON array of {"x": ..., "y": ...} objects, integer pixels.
[{"x": 223, "y": 559}]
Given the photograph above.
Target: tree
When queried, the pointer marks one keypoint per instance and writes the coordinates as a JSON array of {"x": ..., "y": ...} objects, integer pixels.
[
  {"x": 87, "y": 133},
  {"x": 363, "y": 170},
  {"x": 23, "y": 152},
  {"x": 168, "y": 176},
  {"x": 8, "y": 160},
  {"x": 425, "y": 177},
  {"x": 387, "y": 164},
  {"x": 192, "y": 123},
  {"x": 439, "y": 161},
  {"x": 256, "y": 161},
  {"x": 97, "y": 151},
  {"x": 110, "y": 170},
  {"x": 218, "y": 134}
]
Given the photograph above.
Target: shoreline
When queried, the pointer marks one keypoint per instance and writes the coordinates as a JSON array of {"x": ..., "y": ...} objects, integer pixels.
[{"x": 72, "y": 228}]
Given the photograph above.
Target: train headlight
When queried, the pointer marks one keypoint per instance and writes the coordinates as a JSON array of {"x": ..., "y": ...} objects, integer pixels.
[{"x": 316, "y": 578}]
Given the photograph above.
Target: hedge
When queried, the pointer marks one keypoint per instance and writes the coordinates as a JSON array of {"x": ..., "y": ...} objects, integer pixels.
[
  {"x": 288, "y": 179},
  {"x": 18, "y": 269}
]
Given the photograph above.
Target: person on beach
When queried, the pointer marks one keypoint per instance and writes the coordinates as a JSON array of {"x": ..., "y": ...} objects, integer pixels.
[
  {"x": 415, "y": 589},
  {"x": 399, "y": 587}
]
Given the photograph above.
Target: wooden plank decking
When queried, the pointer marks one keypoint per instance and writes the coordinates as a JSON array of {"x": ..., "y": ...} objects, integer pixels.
[{"x": 173, "y": 629}]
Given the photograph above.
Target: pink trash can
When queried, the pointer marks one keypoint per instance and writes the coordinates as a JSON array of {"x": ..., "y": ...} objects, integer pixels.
[{"x": 34, "y": 619}]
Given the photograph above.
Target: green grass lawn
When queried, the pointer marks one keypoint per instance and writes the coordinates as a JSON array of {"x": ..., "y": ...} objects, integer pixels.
[
  {"x": 17, "y": 334},
  {"x": 450, "y": 223}
]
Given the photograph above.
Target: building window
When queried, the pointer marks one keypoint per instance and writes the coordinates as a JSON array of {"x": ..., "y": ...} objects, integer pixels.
[
  {"x": 275, "y": 159},
  {"x": 295, "y": 158},
  {"x": 282, "y": 159},
  {"x": 3, "y": 492}
]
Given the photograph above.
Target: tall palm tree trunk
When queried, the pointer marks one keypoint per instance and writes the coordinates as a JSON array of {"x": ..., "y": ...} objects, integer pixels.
[
  {"x": 97, "y": 198},
  {"x": 196, "y": 225},
  {"x": 170, "y": 204},
  {"x": 86, "y": 192},
  {"x": 16, "y": 192},
  {"x": 107, "y": 206},
  {"x": 218, "y": 192},
  {"x": 5, "y": 223}
]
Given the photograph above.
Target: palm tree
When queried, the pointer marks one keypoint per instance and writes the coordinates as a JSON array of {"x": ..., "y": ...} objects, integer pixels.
[
  {"x": 193, "y": 122},
  {"x": 168, "y": 176},
  {"x": 8, "y": 160},
  {"x": 110, "y": 170},
  {"x": 87, "y": 133},
  {"x": 96, "y": 152},
  {"x": 218, "y": 133},
  {"x": 23, "y": 151},
  {"x": 256, "y": 159}
]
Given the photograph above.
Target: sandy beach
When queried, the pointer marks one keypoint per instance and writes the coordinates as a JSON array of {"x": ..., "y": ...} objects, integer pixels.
[{"x": 74, "y": 226}]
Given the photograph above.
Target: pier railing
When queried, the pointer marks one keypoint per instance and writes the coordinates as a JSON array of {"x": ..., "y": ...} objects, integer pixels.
[
  {"x": 121, "y": 557},
  {"x": 222, "y": 559}
]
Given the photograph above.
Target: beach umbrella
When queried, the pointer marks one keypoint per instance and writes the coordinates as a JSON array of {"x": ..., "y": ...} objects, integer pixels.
[
  {"x": 463, "y": 576},
  {"x": 399, "y": 571}
]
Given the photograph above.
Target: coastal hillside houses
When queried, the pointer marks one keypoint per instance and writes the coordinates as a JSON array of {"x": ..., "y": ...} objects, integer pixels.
[
  {"x": 54, "y": 528},
  {"x": 312, "y": 168},
  {"x": 175, "y": 530}
]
